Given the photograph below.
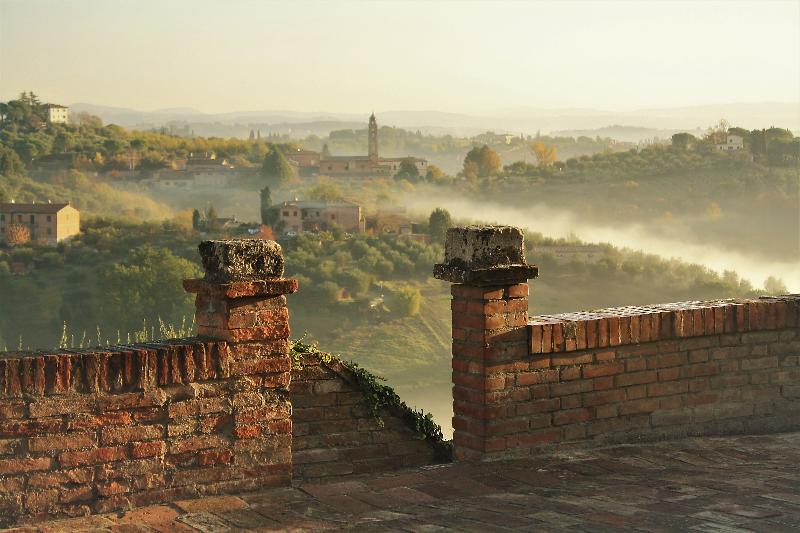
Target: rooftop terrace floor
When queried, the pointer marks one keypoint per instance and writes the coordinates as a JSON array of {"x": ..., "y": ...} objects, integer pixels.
[{"x": 726, "y": 484}]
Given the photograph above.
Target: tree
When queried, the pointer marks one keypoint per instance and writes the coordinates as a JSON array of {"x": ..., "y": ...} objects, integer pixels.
[
  {"x": 18, "y": 234},
  {"x": 775, "y": 286},
  {"x": 276, "y": 168},
  {"x": 325, "y": 191},
  {"x": 683, "y": 141},
  {"x": 265, "y": 197},
  {"x": 434, "y": 173},
  {"x": 147, "y": 285},
  {"x": 545, "y": 155},
  {"x": 482, "y": 162},
  {"x": 408, "y": 170},
  {"x": 406, "y": 301},
  {"x": 212, "y": 219},
  {"x": 438, "y": 223},
  {"x": 196, "y": 219},
  {"x": 10, "y": 163},
  {"x": 63, "y": 142}
]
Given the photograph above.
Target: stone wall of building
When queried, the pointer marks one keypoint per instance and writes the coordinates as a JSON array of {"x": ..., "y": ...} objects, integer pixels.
[{"x": 334, "y": 433}]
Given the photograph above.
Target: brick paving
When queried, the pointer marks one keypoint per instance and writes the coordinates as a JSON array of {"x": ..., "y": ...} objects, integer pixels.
[{"x": 726, "y": 484}]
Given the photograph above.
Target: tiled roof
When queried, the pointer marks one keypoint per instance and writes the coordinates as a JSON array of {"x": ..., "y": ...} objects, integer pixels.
[{"x": 31, "y": 208}]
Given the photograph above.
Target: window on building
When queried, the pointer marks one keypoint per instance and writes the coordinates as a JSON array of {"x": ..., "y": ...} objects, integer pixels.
[
  {"x": 295, "y": 213},
  {"x": 286, "y": 213},
  {"x": 333, "y": 217},
  {"x": 49, "y": 218},
  {"x": 32, "y": 219}
]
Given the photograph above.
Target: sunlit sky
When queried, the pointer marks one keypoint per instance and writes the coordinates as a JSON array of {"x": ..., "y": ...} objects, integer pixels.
[{"x": 236, "y": 55}]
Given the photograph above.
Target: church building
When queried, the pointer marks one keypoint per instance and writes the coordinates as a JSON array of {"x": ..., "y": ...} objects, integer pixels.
[{"x": 369, "y": 165}]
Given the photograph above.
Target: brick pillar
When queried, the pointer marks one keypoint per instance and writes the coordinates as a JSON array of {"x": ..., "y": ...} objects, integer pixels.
[
  {"x": 490, "y": 335},
  {"x": 242, "y": 300}
]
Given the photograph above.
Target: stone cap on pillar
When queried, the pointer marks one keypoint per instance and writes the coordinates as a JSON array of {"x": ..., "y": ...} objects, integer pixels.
[
  {"x": 241, "y": 260},
  {"x": 237, "y": 268},
  {"x": 484, "y": 255}
]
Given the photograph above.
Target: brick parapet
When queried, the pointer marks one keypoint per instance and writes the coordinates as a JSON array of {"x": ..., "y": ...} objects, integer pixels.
[
  {"x": 116, "y": 369},
  {"x": 739, "y": 372},
  {"x": 335, "y": 434},
  {"x": 621, "y": 326}
]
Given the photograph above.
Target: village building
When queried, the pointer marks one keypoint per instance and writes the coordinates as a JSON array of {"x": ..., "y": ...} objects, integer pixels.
[
  {"x": 733, "y": 143},
  {"x": 57, "y": 114},
  {"x": 201, "y": 169},
  {"x": 300, "y": 216},
  {"x": 370, "y": 165},
  {"x": 47, "y": 223},
  {"x": 492, "y": 138}
]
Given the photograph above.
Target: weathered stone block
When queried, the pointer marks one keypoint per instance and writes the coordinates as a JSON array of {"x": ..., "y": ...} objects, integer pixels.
[
  {"x": 484, "y": 255},
  {"x": 241, "y": 260}
]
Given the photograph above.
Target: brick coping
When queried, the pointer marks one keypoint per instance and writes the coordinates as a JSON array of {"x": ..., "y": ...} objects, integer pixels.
[
  {"x": 619, "y": 326},
  {"x": 119, "y": 368}
]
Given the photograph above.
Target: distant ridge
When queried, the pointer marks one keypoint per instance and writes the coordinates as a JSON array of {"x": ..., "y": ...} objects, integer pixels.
[{"x": 525, "y": 120}]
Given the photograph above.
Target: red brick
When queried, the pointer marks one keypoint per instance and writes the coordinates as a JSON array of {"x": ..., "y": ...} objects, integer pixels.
[
  {"x": 55, "y": 443},
  {"x": 214, "y": 457},
  {"x": 532, "y": 439},
  {"x": 520, "y": 290},
  {"x": 19, "y": 465},
  {"x": 247, "y": 432},
  {"x": 665, "y": 389},
  {"x": 636, "y": 378},
  {"x": 593, "y": 371},
  {"x": 599, "y": 398},
  {"x": 603, "y": 383},
  {"x": 534, "y": 378},
  {"x": 574, "y": 416},
  {"x": 639, "y": 406},
  {"x": 122, "y": 434},
  {"x": 141, "y": 450},
  {"x": 664, "y": 361},
  {"x": 89, "y": 457}
]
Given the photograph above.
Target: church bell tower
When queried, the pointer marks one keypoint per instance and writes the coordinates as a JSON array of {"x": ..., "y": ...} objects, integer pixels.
[{"x": 373, "y": 138}]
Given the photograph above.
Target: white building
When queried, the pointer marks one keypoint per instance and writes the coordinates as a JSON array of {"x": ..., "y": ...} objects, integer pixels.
[
  {"x": 57, "y": 114},
  {"x": 733, "y": 143}
]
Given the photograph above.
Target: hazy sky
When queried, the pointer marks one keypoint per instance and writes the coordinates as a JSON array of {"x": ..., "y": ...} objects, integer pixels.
[{"x": 350, "y": 56}]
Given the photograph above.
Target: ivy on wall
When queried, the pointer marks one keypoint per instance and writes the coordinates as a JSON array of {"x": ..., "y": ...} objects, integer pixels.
[{"x": 377, "y": 397}]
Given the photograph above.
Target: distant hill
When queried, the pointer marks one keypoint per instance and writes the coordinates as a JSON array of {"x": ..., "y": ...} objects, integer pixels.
[
  {"x": 626, "y": 133},
  {"x": 512, "y": 120}
]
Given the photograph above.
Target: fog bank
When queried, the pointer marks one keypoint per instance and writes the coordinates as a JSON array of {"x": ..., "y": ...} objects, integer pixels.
[{"x": 562, "y": 223}]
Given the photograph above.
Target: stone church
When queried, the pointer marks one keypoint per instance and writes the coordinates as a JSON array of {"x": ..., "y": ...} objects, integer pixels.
[{"x": 368, "y": 165}]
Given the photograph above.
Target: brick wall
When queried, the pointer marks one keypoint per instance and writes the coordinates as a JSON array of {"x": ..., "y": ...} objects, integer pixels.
[
  {"x": 621, "y": 374},
  {"x": 99, "y": 430},
  {"x": 334, "y": 433}
]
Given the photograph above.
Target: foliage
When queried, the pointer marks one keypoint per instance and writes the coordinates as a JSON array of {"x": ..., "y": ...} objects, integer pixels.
[
  {"x": 147, "y": 284},
  {"x": 545, "y": 155},
  {"x": 276, "y": 168},
  {"x": 438, "y": 224},
  {"x": 406, "y": 301},
  {"x": 683, "y": 141},
  {"x": 378, "y": 398},
  {"x": 481, "y": 162},
  {"x": 408, "y": 171},
  {"x": 17, "y": 234},
  {"x": 268, "y": 215}
]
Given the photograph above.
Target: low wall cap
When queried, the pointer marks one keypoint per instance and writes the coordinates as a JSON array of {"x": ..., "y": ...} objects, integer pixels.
[
  {"x": 484, "y": 255},
  {"x": 231, "y": 260}
]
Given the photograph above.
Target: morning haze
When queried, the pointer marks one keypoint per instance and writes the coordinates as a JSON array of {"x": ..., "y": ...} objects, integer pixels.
[
  {"x": 342, "y": 56},
  {"x": 222, "y": 221}
]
